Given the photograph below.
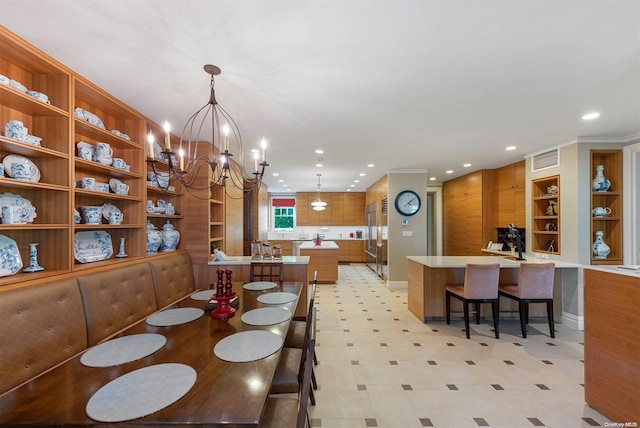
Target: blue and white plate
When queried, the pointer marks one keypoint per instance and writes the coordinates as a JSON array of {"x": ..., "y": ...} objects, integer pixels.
[
  {"x": 10, "y": 260},
  {"x": 92, "y": 246}
]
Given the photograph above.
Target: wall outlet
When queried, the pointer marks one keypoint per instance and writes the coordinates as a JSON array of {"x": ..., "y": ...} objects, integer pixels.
[{"x": 407, "y": 233}]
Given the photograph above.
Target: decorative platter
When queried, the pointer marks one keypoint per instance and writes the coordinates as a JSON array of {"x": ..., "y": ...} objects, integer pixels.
[
  {"x": 28, "y": 210},
  {"x": 9, "y": 160},
  {"x": 92, "y": 246},
  {"x": 10, "y": 260}
]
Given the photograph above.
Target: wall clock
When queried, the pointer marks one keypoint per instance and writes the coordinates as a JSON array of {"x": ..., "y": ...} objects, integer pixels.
[{"x": 407, "y": 202}]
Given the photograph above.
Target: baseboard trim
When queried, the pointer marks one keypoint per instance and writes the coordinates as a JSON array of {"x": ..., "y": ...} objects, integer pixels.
[
  {"x": 397, "y": 285},
  {"x": 573, "y": 321}
]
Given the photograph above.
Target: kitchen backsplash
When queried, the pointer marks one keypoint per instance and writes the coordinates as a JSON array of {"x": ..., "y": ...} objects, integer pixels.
[{"x": 327, "y": 232}]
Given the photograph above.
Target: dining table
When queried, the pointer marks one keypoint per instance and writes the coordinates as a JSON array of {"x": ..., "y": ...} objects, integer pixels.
[{"x": 218, "y": 391}]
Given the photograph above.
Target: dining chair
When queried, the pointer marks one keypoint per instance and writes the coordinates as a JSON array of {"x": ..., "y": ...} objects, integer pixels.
[
  {"x": 266, "y": 271},
  {"x": 288, "y": 377},
  {"x": 480, "y": 286},
  {"x": 295, "y": 334},
  {"x": 535, "y": 285},
  {"x": 288, "y": 412}
]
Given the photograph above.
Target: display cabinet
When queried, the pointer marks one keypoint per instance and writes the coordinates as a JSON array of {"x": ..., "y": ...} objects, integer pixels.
[
  {"x": 216, "y": 218},
  {"x": 50, "y": 194},
  {"x": 159, "y": 193},
  {"x": 545, "y": 215},
  {"x": 606, "y": 206}
]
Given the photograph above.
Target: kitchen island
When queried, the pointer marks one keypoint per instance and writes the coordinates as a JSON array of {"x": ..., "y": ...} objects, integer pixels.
[
  {"x": 295, "y": 270},
  {"x": 612, "y": 341},
  {"x": 323, "y": 259},
  {"x": 428, "y": 276}
]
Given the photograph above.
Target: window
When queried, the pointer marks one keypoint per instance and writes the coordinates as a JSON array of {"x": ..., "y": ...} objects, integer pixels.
[{"x": 284, "y": 213}]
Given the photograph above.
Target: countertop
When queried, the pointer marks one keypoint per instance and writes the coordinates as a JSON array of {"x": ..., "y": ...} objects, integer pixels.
[
  {"x": 246, "y": 260},
  {"x": 627, "y": 270},
  {"x": 324, "y": 245},
  {"x": 461, "y": 261}
]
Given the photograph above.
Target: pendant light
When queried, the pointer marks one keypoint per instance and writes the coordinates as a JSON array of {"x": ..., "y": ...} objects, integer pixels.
[{"x": 318, "y": 204}]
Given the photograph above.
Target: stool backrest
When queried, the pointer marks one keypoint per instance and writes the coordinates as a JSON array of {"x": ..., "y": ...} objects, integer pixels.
[
  {"x": 535, "y": 280},
  {"x": 267, "y": 271},
  {"x": 481, "y": 281}
]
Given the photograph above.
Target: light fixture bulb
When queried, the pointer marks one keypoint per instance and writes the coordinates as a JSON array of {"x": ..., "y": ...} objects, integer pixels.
[{"x": 225, "y": 129}]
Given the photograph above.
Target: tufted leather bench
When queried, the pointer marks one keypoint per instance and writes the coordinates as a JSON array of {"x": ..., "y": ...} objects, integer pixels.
[
  {"x": 40, "y": 327},
  {"x": 43, "y": 325}
]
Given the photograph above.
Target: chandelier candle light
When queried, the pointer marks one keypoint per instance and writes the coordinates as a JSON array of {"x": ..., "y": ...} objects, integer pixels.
[{"x": 223, "y": 133}]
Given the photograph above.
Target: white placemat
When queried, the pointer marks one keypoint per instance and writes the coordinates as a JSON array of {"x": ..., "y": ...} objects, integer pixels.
[
  {"x": 277, "y": 298},
  {"x": 259, "y": 285},
  {"x": 248, "y": 346},
  {"x": 123, "y": 350},
  {"x": 266, "y": 316},
  {"x": 141, "y": 392},
  {"x": 174, "y": 317},
  {"x": 203, "y": 295}
]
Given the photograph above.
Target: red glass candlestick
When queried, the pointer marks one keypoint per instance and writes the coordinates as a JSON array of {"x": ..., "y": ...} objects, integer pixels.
[{"x": 224, "y": 294}]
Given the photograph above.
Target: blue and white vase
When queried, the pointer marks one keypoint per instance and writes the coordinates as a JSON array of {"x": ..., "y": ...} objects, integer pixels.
[
  {"x": 600, "y": 182},
  {"x": 154, "y": 238},
  {"x": 600, "y": 249},
  {"x": 170, "y": 237},
  {"x": 121, "y": 254}
]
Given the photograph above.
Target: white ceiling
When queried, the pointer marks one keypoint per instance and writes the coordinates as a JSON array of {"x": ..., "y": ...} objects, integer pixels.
[{"x": 419, "y": 85}]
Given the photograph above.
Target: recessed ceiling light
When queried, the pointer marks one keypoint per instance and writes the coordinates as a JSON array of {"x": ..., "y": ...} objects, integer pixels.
[
  {"x": 319, "y": 165},
  {"x": 510, "y": 148},
  {"x": 591, "y": 116},
  {"x": 352, "y": 185},
  {"x": 466, "y": 165},
  {"x": 370, "y": 165},
  {"x": 348, "y": 190},
  {"x": 356, "y": 181},
  {"x": 275, "y": 174},
  {"x": 432, "y": 179},
  {"x": 285, "y": 185},
  {"x": 362, "y": 174},
  {"x": 319, "y": 151},
  {"x": 450, "y": 171}
]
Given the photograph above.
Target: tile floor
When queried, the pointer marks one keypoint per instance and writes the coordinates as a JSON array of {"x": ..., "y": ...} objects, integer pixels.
[{"x": 379, "y": 366}]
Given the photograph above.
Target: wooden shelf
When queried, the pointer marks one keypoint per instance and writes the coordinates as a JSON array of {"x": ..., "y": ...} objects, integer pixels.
[
  {"x": 540, "y": 202},
  {"x": 610, "y": 225}
]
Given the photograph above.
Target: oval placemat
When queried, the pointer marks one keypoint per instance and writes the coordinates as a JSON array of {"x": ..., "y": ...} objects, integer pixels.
[
  {"x": 203, "y": 295},
  {"x": 277, "y": 298},
  {"x": 266, "y": 316},
  {"x": 259, "y": 285},
  {"x": 248, "y": 346},
  {"x": 141, "y": 392},
  {"x": 123, "y": 350},
  {"x": 174, "y": 317}
]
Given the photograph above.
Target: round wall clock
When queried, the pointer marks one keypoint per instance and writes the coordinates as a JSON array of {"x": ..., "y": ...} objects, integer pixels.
[{"x": 407, "y": 202}]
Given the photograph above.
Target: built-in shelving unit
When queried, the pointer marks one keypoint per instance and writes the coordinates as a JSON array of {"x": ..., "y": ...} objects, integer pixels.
[
  {"x": 546, "y": 220},
  {"x": 610, "y": 224},
  {"x": 56, "y": 195}
]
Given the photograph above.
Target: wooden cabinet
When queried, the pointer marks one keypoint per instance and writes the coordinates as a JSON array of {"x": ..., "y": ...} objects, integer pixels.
[
  {"x": 468, "y": 213},
  {"x": 356, "y": 251},
  {"x": 545, "y": 214},
  {"x": 51, "y": 196},
  {"x": 343, "y": 209},
  {"x": 610, "y": 224},
  {"x": 56, "y": 195},
  {"x": 510, "y": 195}
]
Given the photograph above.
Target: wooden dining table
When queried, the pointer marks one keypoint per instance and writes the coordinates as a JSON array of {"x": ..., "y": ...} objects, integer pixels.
[{"x": 228, "y": 394}]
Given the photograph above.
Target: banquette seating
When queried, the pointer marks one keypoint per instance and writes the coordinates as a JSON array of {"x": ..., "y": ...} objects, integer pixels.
[{"x": 43, "y": 325}]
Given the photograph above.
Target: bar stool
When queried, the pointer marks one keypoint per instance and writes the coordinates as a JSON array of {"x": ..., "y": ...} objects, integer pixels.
[
  {"x": 535, "y": 285},
  {"x": 266, "y": 271},
  {"x": 480, "y": 286}
]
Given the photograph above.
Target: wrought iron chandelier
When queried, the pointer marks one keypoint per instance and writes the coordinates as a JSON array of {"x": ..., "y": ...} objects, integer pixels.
[
  {"x": 223, "y": 134},
  {"x": 319, "y": 204}
]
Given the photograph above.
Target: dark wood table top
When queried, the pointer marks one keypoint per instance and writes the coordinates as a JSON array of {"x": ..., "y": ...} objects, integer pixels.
[{"x": 229, "y": 394}]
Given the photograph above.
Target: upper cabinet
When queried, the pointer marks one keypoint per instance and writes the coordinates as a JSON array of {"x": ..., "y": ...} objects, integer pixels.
[
  {"x": 606, "y": 207},
  {"x": 343, "y": 209},
  {"x": 510, "y": 195},
  {"x": 545, "y": 214}
]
